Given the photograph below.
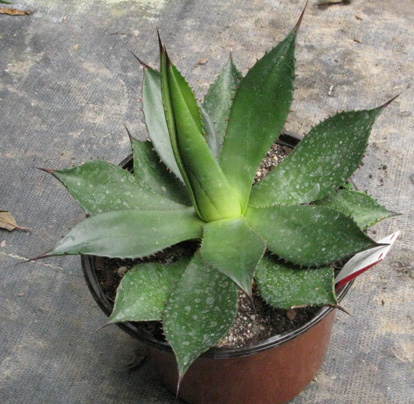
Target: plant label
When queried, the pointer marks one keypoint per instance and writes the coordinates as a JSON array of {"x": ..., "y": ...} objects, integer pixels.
[{"x": 364, "y": 260}]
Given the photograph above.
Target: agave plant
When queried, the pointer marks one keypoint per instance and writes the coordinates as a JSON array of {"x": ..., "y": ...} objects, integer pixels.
[{"x": 283, "y": 233}]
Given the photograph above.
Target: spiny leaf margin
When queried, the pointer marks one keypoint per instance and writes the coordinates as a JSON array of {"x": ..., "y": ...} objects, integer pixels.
[
  {"x": 363, "y": 209},
  {"x": 152, "y": 174},
  {"x": 284, "y": 286},
  {"x": 155, "y": 120},
  {"x": 308, "y": 235},
  {"x": 200, "y": 312},
  {"x": 217, "y": 104},
  {"x": 258, "y": 114},
  {"x": 99, "y": 186},
  {"x": 144, "y": 290},
  {"x": 322, "y": 161},
  {"x": 213, "y": 197},
  {"x": 109, "y": 234}
]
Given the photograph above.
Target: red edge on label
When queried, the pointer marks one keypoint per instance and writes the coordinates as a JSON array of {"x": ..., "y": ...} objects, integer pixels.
[{"x": 353, "y": 275}]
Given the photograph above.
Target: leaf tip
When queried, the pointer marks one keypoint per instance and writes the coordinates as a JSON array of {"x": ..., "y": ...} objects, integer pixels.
[
  {"x": 297, "y": 26},
  {"x": 104, "y": 326},
  {"x": 160, "y": 44},
  {"x": 393, "y": 214},
  {"x": 337, "y": 306},
  {"x": 46, "y": 170},
  {"x": 180, "y": 379},
  {"x": 389, "y": 102},
  {"x": 143, "y": 64},
  {"x": 40, "y": 257},
  {"x": 129, "y": 133}
]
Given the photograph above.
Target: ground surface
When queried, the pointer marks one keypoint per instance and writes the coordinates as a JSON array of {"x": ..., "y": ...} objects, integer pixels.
[{"x": 68, "y": 82}]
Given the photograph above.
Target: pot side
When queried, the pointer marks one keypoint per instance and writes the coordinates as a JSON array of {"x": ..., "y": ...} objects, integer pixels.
[{"x": 274, "y": 376}]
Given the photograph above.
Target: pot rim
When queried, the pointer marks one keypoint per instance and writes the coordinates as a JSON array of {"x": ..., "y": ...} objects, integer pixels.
[{"x": 88, "y": 266}]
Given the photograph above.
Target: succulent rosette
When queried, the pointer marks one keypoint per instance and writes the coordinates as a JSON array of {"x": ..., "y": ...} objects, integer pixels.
[{"x": 194, "y": 181}]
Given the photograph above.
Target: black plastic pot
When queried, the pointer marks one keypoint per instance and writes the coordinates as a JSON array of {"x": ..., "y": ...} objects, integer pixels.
[{"x": 272, "y": 371}]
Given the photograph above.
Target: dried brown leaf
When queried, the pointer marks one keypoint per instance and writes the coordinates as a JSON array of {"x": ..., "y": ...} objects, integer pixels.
[
  {"x": 14, "y": 11},
  {"x": 203, "y": 61},
  {"x": 8, "y": 222},
  {"x": 327, "y": 3}
]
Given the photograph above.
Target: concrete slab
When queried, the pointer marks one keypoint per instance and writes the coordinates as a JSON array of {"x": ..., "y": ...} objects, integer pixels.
[{"x": 68, "y": 82}]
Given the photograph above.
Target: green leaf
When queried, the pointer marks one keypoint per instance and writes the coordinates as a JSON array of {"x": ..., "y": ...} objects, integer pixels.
[
  {"x": 211, "y": 134},
  {"x": 217, "y": 104},
  {"x": 155, "y": 119},
  {"x": 170, "y": 119},
  {"x": 200, "y": 312},
  {"x": 144, "y": 290},
  {"x": 100, "y": 186},
  {"x": 320, "y": 163},
  {"x": 234, "y": 249},
  {"x": 154, "y": 175},
  {"x": 365, "y": 210},
  {"x": 212, "y": 195},
  {"x": 284, "y": 286},
  {"x": 130, "y": 233},
  {"x": 258, "y": 114},
  {"x": 308, "y": 235}
]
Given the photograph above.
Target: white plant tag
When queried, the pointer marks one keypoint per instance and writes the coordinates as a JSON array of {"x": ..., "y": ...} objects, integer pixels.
[{"x": 364, "y": 260}]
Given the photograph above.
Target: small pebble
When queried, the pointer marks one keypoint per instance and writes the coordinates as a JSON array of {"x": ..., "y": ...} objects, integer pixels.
[
  {"x": 122, "y": 271},
  {"x": 291, "y": 314}
]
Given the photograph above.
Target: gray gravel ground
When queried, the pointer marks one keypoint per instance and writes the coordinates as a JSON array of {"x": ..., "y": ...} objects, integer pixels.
[{"x": 68, "y": 82}]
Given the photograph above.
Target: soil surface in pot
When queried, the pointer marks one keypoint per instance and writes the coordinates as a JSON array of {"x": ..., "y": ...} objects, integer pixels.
[{"x": 252, "y": 324}]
